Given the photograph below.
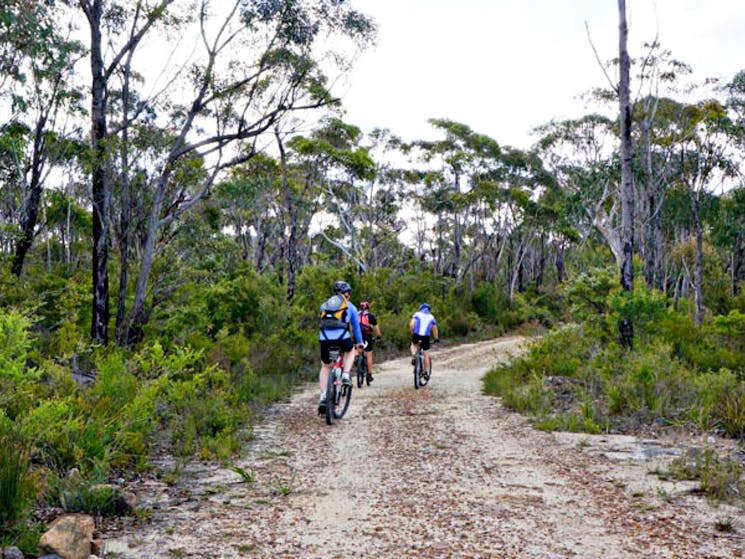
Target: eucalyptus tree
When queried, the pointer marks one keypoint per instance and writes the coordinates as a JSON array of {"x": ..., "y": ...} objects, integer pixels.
[
  {"x": 252, "y": 65},
  {"x": 116, "y": 30},
  {"x": 626, "y": 327},
  {"x": 39, "y": 95},
  {"x": 251, "y": 207},
  {"x": 652, "y": 112},
  {"x": 704, "y": 163},
  {"x": 728, "y": 232},
  {"x": 581, "y": 156},
  {"x": 26, "y": 28},
  {"x": 381, "y": 203},
  {"x": 335, "y": 166},
  {"x": 450, "y": 169}
]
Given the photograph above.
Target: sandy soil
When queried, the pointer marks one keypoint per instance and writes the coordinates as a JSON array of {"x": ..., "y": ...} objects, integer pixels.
[{"x": 443, "y": 472}]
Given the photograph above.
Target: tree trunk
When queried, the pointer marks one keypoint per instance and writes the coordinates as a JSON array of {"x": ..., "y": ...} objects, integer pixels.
[
  {"x": 626, "y": 328},
  {"x": 99, "y": 179},
  {"x": 292, "y": 215},
  {"x": 698, "y": 270},
  {"x": 125, "y": 212},
  {"x": 650, "y": 245},
  {"x": 541, "y": 263},
  {"x": 31, "y": 201}
]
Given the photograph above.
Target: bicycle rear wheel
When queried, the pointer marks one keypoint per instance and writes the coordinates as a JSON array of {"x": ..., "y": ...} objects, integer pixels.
[
  {"x": 417, "y": 369},
  {"x": 331, "y": 396},
  {"x": 425, "y": 375}
]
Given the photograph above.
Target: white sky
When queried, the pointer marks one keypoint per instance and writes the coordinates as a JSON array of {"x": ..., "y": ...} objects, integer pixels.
[{"x": 505, "y": 66}]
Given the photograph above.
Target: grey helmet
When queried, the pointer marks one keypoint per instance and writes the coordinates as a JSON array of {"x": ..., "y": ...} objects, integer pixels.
[{"x": 342, "y": 287}]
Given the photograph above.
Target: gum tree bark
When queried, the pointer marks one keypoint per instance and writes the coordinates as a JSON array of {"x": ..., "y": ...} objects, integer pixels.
[{"x": 626, "y": 327}]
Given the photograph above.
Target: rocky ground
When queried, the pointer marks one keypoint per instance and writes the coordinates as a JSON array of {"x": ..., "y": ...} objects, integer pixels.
[{"x": 441, "y": 472}]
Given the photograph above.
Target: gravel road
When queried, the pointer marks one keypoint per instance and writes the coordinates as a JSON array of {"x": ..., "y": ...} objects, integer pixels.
[{"x": 442, "y": 472}]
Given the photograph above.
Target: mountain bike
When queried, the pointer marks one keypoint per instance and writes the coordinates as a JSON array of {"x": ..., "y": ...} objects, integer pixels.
[
  {"x": 360, "y": 365},
  {"x": 421, "y": 377},
  {"x": 338, "y": 394}
]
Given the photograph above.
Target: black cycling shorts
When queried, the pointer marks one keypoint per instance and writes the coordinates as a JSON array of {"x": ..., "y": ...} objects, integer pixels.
[
  {"x": 369, "y": 341},
  {"x": 344, "y": 346},
  {"x": 425, "y": 340}
]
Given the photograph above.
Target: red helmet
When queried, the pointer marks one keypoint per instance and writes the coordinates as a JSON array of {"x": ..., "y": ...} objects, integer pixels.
[{"x": 364, "y": 305}]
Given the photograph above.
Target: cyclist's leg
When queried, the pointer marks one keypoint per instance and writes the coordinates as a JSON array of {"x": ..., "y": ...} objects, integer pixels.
[
  {"x": 413, "y": 347},
  {"x": 347, "y": 348},
  {"x": 325, "y": 367},
  {"x": 366, "y": 352},
  {"x": 425, "y": 347}
]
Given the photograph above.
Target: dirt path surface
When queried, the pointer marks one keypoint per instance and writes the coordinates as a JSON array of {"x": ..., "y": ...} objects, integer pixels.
[{"x": 440, "y": 472}]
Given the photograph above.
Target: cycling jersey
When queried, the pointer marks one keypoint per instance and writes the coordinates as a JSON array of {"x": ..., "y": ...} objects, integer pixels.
[{"x": 423, "y": 323}]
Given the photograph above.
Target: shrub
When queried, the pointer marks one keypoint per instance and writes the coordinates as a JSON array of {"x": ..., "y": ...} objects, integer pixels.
[
  {"x": 16, "y": 490},
  {"x": 721, "y": 402}
]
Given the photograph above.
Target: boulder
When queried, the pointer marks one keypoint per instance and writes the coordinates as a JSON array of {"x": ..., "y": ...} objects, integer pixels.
[{"x": 69, "y": 536}]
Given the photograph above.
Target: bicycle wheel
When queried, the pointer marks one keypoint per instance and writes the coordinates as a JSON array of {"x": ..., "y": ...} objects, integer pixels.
[
  {"x": 342, "y": 397},
  {"x": 359, "y": 365},
  {"x": 417, "y": 369},
  {"x": 424, "y": 377},
  {"x": 331, "y": 396}
]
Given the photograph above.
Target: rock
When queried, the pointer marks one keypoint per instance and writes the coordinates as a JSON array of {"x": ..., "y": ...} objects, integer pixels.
[
  {"x": 125, "y": 502},
  {"x": 98, "y": 546},
  {"x": 69, "y": 537},
  {"x": 11, "y": 553},
  {"x": 74, "y": 475}
]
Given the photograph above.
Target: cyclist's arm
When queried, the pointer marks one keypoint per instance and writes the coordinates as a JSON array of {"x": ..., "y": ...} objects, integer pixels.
[
  {"x": 357, "y": 331},
  {"x": 435, "y": 332}
]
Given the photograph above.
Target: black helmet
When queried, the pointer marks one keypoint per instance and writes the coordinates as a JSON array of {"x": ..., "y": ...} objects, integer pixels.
[{"x": 342, "y": 287}]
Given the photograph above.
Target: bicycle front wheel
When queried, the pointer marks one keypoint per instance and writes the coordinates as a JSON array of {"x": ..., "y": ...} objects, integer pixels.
[
  {"x": 342, "y": 397},
  {"x": 359, "y": 363}
]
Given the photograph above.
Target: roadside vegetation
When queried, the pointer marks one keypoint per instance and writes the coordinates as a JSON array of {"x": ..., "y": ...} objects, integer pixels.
[{"x": 578, "y": 377}]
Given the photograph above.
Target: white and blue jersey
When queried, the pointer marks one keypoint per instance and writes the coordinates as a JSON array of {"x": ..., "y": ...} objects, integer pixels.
[
  {"x": 423, "y": 323},
  {"x": 343, "y": 333}
]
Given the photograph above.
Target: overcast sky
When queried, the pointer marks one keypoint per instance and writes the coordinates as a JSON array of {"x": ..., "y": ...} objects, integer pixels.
[{"x": 505, "y": 66}]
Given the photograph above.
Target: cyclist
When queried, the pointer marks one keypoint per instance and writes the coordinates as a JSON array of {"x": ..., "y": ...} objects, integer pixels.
[
  {"x": 370, "y": 327},
  {"x": 423, "y": 325},
  {"x": 338, "y": 336}
]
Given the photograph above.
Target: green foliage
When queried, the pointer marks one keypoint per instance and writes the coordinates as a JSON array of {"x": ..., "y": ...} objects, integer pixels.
[
  {"x": 16, "y": 489},
  {"x": 247, "y": 476},
  {"x": 721, "y": 402},
  {"x": 199, "y": 410},
  {"x": 648, "y": 385},
  {"x": 677, "y": 372},
  {"x": 73, "y": 493},
  {"x": 14, "y": 345},
  {"x": 80, "y": 438},
  {"x": 719, "y": 477},
  {"x": 588, "y": 294}
]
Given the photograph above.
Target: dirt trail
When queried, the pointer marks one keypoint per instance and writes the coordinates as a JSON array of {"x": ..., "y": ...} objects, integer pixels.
[{"x": 439, "y": 472}]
